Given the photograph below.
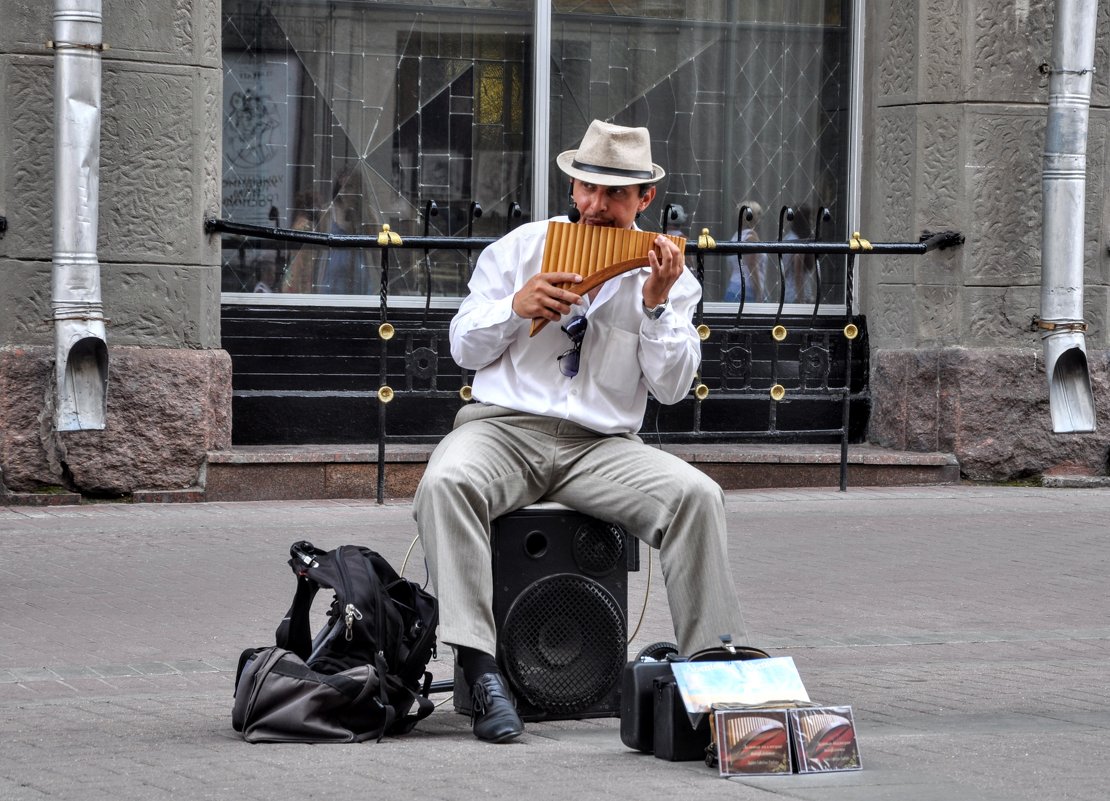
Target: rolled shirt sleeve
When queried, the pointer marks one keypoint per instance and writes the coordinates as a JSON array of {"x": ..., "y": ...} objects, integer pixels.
[
  {"x": 486, "y": 323},
  {"x": 670, "y": 349}
]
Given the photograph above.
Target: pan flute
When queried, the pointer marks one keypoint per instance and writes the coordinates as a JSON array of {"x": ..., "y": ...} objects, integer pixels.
[{"x": 595, "y": 253}]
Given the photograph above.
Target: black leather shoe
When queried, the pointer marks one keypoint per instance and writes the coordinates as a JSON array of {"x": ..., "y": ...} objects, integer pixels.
[{"x": 494, "y": 714}]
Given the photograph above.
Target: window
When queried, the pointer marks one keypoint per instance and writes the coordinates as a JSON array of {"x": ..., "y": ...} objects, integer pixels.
[{"x": 345, "y": 116}]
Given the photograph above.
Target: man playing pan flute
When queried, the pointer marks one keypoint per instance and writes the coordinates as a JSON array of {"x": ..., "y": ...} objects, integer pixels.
[{"x": 557, "y": 414}]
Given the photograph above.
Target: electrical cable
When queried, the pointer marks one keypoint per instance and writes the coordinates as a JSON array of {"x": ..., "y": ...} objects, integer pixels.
[{"x": 647, "y": 590}]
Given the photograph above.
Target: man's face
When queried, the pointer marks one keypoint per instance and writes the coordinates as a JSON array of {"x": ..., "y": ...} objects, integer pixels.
[{"x": 610, "y": 206}]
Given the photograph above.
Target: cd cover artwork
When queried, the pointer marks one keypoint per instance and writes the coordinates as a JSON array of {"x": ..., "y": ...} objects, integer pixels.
[
  {"x": 825, "y": 739},
  {"x": 752, "y": 741}
]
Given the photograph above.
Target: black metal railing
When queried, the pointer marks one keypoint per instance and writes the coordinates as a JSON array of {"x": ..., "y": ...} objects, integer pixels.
[{"x": 758, "y": 359}]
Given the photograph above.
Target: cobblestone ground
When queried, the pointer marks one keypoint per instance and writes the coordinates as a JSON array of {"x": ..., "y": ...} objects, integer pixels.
[{"x": 967, "y": 626}]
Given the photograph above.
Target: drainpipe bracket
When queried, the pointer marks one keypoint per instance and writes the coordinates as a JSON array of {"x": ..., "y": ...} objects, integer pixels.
[
  {"x": 1044, "y": 68},
  {"x": 1049, "y": 325},
  {"x": 99, "y": 47}
]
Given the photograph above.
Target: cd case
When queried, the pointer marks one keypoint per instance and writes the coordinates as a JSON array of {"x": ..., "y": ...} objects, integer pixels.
[
  {"x": 824, "y": 739},
  {"x": 752, "y": 742}
]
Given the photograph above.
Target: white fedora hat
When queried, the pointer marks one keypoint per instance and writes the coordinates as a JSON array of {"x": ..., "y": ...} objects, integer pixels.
[{"x": 612, "y": 155}]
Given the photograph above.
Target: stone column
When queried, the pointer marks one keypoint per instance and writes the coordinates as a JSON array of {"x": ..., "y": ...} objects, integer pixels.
[
  {"x": 955, "y": 119},
  {"x": 169, "y": 389}
]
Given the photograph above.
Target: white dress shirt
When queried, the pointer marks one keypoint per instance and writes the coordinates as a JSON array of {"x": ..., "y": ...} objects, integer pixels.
[{"x": 624, "y": 354}]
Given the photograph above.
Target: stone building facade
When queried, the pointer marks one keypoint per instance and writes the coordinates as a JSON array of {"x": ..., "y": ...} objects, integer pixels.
[
  {"x": 170, "y": 382},
  {"x": 956, "y": 116},
  {"x": 953, "y": 115}
]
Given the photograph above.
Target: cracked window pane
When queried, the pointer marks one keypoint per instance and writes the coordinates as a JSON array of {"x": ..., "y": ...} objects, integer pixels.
[
  {"x": 747, "y": 104},
  {"x": 344, "y": 117}
]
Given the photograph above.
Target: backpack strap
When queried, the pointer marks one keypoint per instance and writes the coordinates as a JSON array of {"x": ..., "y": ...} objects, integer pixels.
[
  {"x": 424, "y": 707},
  {"x": 383, "y": 696},
  {"x": 294, "y": 633},
  {"x": 424, "y": 704},
  {"x": 421, "y": 707}
]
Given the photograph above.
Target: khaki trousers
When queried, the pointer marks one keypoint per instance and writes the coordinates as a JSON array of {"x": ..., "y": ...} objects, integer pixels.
[{"x": 496, "y": 460}]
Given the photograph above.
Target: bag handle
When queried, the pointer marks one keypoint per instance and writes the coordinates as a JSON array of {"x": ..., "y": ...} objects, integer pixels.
[
  {"x": 719, "y": 654},
  {"x": 726, "y": 651},
  {"x": 243, "y": 659}
]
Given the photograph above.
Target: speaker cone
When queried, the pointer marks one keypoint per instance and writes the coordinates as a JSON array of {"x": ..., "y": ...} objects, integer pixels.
[
  {"x": 598, "y": 548},
  {"x": 563, "y": 643}
]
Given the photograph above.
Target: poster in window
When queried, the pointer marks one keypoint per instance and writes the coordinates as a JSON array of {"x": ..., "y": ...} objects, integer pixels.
[{"x": 260, "y": 117}]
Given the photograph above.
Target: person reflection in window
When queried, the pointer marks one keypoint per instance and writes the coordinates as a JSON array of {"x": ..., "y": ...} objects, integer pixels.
[
  {"x": 304, "y": 263},
  {"x": 345, "y": 270},
  {"x": 265, "y": 271},
  {"x": 676, "y": 220},
  {"x": 757, "y": 283},
  {"x": 799, "y": 269}
]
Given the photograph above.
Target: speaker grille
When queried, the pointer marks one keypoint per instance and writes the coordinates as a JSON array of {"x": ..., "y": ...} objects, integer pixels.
[
  {"x": 564, "y": 643},
  {"x": 598, "y": 548}
]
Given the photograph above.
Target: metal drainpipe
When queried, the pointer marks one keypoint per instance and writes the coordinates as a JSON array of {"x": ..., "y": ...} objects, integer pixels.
[
  {"x": 80, "y": 351},
  {"x": 1064, "y": 178}
]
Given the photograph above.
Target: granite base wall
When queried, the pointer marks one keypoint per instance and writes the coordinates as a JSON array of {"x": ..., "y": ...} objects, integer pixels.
[
  {"x": 166, "y": 409},
  {"x": 987, "y": 406}
]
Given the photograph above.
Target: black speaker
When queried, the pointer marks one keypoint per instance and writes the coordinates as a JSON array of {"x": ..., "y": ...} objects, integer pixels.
[{"x": 560, "y": 602}]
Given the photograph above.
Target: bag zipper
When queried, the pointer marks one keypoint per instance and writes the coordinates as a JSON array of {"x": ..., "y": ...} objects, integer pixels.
[{"x": 351, "y": 613}]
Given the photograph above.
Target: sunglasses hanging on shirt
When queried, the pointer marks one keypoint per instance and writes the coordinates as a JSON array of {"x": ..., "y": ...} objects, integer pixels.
[{"x": 570, "y": 358}]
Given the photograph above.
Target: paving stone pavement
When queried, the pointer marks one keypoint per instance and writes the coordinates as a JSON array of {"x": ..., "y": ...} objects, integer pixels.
[{"x": 966, "y": 625}]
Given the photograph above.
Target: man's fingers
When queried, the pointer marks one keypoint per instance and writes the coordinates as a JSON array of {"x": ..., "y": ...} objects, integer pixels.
[
  {"x": 561, "y": 278},
  {"x": 552, "y": 309},
  {"x": 542, "y": 296},
  {"x": 563, "y": 297},
  {"x": 666, "y": 250}
]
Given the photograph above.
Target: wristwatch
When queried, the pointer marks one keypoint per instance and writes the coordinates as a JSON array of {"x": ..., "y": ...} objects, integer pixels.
[{"x": 654, "y": 313}]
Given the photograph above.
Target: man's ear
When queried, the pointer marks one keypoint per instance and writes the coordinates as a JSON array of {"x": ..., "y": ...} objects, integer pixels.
[
  {"x": 572, "y": 209},
  {"x": 646, "y": 199}
]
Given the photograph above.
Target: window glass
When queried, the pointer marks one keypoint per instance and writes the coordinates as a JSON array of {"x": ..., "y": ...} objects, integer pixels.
[
  {"x": 341, "y": 117},
  {"x": 344, "y": 117},
  {"x": 747, "y": 105}
]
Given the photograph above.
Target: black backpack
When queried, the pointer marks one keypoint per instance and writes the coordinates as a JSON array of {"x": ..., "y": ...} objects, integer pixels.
[{"x": 362, "y": 674}]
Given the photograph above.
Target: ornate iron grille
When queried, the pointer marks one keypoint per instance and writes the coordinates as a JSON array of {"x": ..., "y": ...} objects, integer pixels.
[{"x": 771, "y": 368}]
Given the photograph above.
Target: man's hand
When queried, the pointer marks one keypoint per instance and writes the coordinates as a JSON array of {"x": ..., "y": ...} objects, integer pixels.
[
  {"x": 542, "y": 297},
  {"x": 667, "y": 263}
]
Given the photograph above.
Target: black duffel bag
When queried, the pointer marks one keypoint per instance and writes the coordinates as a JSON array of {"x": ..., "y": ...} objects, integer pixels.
[
  {"x": 279, "y": 699},
  {"x": 362, "y": 676}
]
